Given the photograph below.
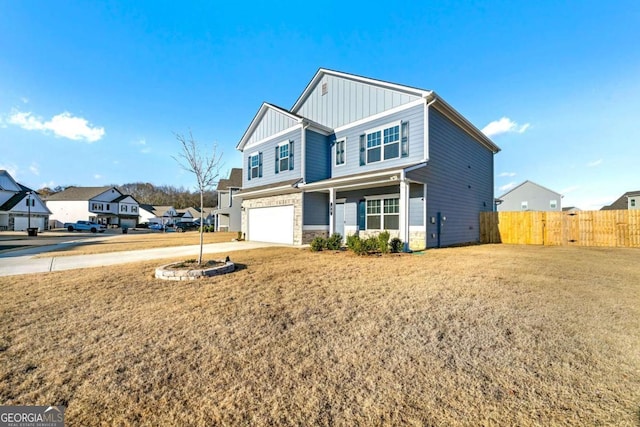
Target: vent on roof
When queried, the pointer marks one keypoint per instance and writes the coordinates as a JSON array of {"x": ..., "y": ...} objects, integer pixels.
[{"x": 325, "y": 89}]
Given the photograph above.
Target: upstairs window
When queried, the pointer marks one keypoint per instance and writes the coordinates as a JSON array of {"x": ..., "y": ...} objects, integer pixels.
[
  {"x": 254, "y": 166},
  {"x": 284, "y": 156},
  {"x": 632, "y": 203},
  {"x": 386, "y": 143},
  {"x": 524, "y": 205},
  {"x": 339, "y": 152},
  {"x": 553, "y": 204}
]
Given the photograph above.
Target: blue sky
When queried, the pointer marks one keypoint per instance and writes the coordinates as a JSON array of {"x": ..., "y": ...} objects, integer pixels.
[{"x": 92, "y": 93}]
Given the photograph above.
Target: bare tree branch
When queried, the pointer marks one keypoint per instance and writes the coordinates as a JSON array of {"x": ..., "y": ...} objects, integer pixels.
[{"x": 205, "y": 168}]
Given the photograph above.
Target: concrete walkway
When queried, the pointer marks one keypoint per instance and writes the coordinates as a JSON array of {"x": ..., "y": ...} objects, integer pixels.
[{"x": 24, "y": 261}]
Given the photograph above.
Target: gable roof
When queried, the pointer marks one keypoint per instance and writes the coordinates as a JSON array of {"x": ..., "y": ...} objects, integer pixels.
[
  {"x": 124, "y": 196},
  {"x": 20, "y": 196},
  {"x": 293, "y": 119},
  {"x": 234, "y": 181},
  {"x": 621, "y": 203},
  {"x": 528, "y": 182},
  {"x": 79, "y": 193},
  {"x": 7, "y": 182},
  {"x": 354, "y": 77}
]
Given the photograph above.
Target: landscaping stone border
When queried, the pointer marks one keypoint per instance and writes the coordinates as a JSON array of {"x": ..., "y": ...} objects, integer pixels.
[{"x": 166, "y": 273}]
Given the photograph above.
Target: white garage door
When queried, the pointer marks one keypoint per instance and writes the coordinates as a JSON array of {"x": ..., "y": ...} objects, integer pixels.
[
  {"x": 129, "y": 223},
  {"x": 271, "y": 224},
  {"x": 22, "y": 223}
]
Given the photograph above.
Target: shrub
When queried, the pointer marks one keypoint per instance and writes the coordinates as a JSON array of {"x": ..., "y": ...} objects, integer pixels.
[
  {"x": 370, "y": 245},
  {"x": 396, "y": 245},
  {"x": 318, "y": 243},
  {"x": 383, "y": 242},
  {"x": 353, "y": 241},
  {"x": 334, "y": 242}
]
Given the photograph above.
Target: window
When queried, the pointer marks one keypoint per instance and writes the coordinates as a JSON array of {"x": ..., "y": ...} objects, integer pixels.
[
  {"x": 632, "y": 202},
  {"x": 340, "y": 152},
  {"x": 255, "y": 166},
  {"x": 386, "y": 143},
  {"x": 383, "y": 214},
  {"x": 123, "y": 208},
  {"x": 553, "y": 204},
  {"x": 134, "y": 209},
  {"x": 524, "y": 205},
  {"x": 284, "y": 156}
]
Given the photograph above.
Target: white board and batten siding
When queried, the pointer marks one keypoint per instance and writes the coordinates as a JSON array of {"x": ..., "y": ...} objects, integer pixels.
[
  {"x": 271, "y": 123},
  {"x": 271, "y": 224}
]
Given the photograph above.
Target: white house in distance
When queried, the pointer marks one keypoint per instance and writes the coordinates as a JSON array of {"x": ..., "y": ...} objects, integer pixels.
[
  {"x": 530, "y": 196},
  {"x": 105, "y": 205},
  {"x": 228, "y": 214},
  {"x": 20, "y": 206}
]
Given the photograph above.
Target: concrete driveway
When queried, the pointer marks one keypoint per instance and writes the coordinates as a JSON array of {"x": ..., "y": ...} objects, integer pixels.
[{"x": 23, "y": 261}]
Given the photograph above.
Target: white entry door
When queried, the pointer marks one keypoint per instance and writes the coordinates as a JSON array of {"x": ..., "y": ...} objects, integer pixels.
[{"x": 273, "y": 224}]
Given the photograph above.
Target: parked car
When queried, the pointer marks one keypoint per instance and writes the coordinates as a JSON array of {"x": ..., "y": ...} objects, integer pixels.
[
  {"x": 156, "y": 226},
  {"x": 185, "y": 226},
  {"x": 143, "y": 225},
  {"x": 93, "y": 227}
]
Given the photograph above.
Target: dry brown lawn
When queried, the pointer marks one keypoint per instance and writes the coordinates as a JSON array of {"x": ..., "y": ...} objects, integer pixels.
[
  {"x": 483, "y": 335},
  {"x": 146, "y": 240}
]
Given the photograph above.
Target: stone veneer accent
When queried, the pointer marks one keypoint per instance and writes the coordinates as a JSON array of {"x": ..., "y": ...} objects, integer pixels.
[
  {"x": 308, "y": 235},
  {"x": 294, "y": 199},
  {"x": 417, "y": 239}
]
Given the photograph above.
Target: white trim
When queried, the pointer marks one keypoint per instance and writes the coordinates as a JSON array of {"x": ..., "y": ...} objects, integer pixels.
[
  {"x": 286, "y": 142},
  {"x": 335, "y": 181},
  {"x": 383, "y": 196},
  {"x": 344, "y": 153},
  {"x": 303, "y": 150},
  {"x": 416, "y": 228},
  {"x": 342, "y": 200},
  {"x": 379, "y": 115},
  {"x": 275, "y": 190},
  {"x": 272, "y": 137},
  {"x": 315, "y": 228}
]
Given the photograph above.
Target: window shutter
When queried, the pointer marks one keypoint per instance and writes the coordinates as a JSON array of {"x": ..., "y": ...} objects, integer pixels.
[
  {"x": 290, "y": 155},
  {"x": 363, "y": 150},
  {"x": 404, "y": 139},
  {"x": 249, "y": 169},
  {"x": 277, "y": 159},
  {"x": 260, "y": 164}
]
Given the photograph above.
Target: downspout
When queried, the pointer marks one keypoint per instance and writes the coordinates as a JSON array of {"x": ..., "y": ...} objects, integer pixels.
[
  {"x": 404, "y": 206},
  {"x": 427, "y": 104},
  {"x": 303, "y": 152}
]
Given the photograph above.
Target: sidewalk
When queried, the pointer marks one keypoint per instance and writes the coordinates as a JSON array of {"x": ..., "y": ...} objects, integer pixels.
[{"x": 23, "y": 261}]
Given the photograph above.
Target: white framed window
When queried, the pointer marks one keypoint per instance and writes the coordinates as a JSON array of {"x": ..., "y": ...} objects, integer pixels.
[
  {"x": 340, "y": 155},
  {"x": 524, "y": 205},
  {"x": 387, "y": 142},
  {"x": 553, "y": 204},
  {"x": 254, "y": 166},
  {"x": 383, "y": 213},
  {"x": 632, "y": 203},
  {"x": 284, "y": 156}
]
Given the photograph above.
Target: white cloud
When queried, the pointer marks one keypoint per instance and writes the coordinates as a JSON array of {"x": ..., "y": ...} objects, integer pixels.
[
  {"x": 97, "y": 176},
  {"x": 594, "y": 163},
  {"x": 50, "y": 184},
  {"x": 24, "y": 100},
  {"x": 503, "y": 174},
  {"x": 62, "y": 125},
  {"x": 504, "y": 125},
  {"x": 143, "y": 143},
  {"x": 34, "y": 168},
  {"x": 507, "y": 187}
]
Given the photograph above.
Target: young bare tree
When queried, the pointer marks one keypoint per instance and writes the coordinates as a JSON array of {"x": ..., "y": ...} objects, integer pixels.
[{"x": 205, "y": 168}]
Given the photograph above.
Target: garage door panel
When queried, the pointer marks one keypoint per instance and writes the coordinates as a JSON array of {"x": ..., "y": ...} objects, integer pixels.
[
  {"x": 21, "y": 223},
  {"x": 272, "y": 224}
]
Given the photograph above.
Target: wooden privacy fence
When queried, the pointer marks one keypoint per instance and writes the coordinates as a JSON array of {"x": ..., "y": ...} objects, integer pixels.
[{"x": 581, "y": 228}]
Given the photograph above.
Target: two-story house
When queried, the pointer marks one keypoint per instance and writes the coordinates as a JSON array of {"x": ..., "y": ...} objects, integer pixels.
[
  {"x": 359, "y": 155},
  {"x": 228, "y": 215},
  {"x": 105, "y": 205},
  {"x": 628, "y": 201},
  {"x": 530, "y": 196},
  {"x": 20, "y": 206}
]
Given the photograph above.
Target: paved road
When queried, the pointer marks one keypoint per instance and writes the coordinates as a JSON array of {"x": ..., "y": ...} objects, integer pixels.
[{"x": 23, "y": 261}]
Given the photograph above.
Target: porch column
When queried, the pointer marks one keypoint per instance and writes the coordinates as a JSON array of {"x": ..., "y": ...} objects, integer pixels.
[
  {"x": 404, "y": 212},
  {"x": 332, "y": 207}
]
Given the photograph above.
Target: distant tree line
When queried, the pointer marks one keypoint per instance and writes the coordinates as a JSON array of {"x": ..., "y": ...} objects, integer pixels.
[{"x": 163, "y": 195}]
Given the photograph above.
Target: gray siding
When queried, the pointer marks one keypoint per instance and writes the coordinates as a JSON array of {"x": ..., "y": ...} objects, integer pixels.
[
  {"x": 271, "y": 123},
  {"x": 318, "y": 164},
  {"x": 269, "y": 175},
  {"x": 538, "y": 198},
  {"x": 415, "y": 117},
  {"x": 316, "y": 209},
  {"x": 460, "y": 182},
  {"x": 347, "y": 101}
]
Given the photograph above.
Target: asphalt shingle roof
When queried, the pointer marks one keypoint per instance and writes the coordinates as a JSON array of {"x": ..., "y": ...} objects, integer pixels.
[
  {"x": 621, "y": 203},
  {"x": 79, "y": 193}
]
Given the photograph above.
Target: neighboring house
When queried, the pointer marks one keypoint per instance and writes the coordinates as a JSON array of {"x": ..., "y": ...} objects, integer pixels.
[
  {"x": 159, "y": 214},
  {"x": 105, "y": 205},
  {"x": 571, "y": 209},
  {"x": 628, "y": 201},
  {"x": 20, "y": 206},
  {"x": 359, "y": 155},
  {"x": 530, "y": 196},
  {"x": 228, "y": 214}
]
